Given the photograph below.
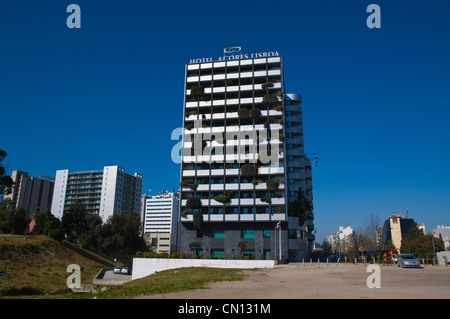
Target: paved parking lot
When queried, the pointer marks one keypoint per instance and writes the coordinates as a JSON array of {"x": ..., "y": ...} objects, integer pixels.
[
  {"x": 110, "y": 278},
  {"x": 297, "y": 281}
]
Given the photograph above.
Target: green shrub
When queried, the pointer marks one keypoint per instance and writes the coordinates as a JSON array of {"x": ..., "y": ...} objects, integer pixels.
[
  {"x": 222, "y": 199},
  {"x": 267, "y": 85},
  {"x": 265, "y": 199},
  {"x": 270, "y": 99},
  {"x": 255, "y": 113},
  {"x": 249, "y": 170},
  {"x": 272, "y": 185},
  {"x": 194, "y": 202},
  {"x": 198, "y": 219},
  {"x": 197, "y": 91},
  {"x": 243, "y": 113}
]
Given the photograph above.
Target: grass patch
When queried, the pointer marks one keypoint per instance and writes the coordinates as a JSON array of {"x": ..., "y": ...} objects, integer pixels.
[
  {"x": 172, "y": 280},
  {"x": 35, "y": 265}
]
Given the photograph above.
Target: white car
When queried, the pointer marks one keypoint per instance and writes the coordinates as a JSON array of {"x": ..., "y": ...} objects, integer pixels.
[
  {"x": 126, "y": 270},
  {"x": 117, "y": 270},
  {"x": 408, "y": 260}
]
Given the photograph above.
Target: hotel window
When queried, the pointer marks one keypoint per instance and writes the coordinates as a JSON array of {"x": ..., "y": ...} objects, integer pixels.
[
  {"x": 247, "y": 234},
  {"x": 218, "y": 234}
]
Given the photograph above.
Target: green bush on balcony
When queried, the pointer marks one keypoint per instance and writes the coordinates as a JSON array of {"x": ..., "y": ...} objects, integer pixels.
[
  {"x": 265, "y": 199},
  {"x": 222, "y": 199},
  {"x": 197, "y": 219},
  {"x": 184, "y": 213},
  {"x": 270, "y": 99},
  {"x": 267, "y": 85},
  {"x": 184, "y": 184},
  {"x": 197, "y": 91},
  {"x": 193, "y": 186},
  {"x": 249, "y": 170},
  {"x": 194, "y": 202},
  {"x": 231, "y": 82},
  {"x": 254, "y": 113},
  {"x": 243, "y": 113},
  {"x": 272, "y": 185},
  {"x": 280, "y": 209}
]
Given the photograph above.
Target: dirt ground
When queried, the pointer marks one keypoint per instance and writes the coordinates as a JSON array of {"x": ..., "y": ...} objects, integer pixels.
[{"x": 297, "y": 281}]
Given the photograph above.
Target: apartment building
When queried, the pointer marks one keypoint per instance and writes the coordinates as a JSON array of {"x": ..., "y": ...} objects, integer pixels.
[
  {"x": 395, "y": 227},
  {"x": 243, "y": 161},
  {"x": 34, "y": 194},
  {"x": 104, "y": 192},
  {"x": 160, "y": 221}
]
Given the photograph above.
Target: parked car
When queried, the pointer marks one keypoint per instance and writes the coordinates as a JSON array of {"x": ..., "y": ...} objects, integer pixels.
[
  {"x": 117, "y": 269},
  {"x": 126, "y": 270},
  {"x": 408, "y": 260}
]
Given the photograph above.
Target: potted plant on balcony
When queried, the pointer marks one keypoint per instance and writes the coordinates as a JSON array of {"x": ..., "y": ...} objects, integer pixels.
[
  {"x": 267, "y": 85},
  {"x": 255, "y": 113},
  {"x": 197, "y": 219},
  {"x": 270, "y": 99},
  {"x": 272, "y": 185},
  {"x": 194, "y": 202},
  {"x": 184, "y": 183},
  {"x": 249, "y": 170},
  {"x": 243, "y": 113}
]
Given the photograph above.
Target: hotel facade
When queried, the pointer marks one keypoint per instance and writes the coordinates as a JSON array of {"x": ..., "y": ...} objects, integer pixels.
[
  {"x": 160, "y": 217},
  {"x": 104, "y": 192},
  {"x": 243, "y": 165}
]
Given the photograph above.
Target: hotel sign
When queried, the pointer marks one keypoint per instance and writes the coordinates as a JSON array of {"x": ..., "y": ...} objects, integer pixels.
[{"x": 234, "y": 53}]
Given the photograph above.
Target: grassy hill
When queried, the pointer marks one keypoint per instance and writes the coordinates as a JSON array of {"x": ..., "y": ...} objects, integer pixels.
[{"x": 36, "y": 264}]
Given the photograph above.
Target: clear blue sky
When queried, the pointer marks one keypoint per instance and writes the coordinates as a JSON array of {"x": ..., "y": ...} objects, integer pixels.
[{"x": 375, "y": 101}]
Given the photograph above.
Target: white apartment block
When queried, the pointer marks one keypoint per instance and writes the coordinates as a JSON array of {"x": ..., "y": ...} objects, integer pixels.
[
  {"x": 160, "y": 221},
  {"x": 104, "y": 192}
]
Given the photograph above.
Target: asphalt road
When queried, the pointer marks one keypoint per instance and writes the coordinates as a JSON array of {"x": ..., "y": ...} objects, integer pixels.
[{"x": 297, "y": 281}]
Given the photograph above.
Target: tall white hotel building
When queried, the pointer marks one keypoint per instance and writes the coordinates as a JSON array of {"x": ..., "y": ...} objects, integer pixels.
[{"x": 233, "y": 191}]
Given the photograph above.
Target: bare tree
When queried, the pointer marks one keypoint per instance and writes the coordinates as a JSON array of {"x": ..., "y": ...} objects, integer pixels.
[{"x": 369, "y": 232}]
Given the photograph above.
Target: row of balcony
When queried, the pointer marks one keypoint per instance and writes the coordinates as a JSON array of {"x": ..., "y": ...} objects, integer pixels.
[
  {"x": 232, "y": 63},
  {"x": 236, "y": 75},
  {"x": 221, "y": 102},
  {"x": 220, "y": 158},
  {"x": 277, "y": 170},
  {"x": 238, "y": 201},
  {"x": 230, "y": 186},
  {"x": 237, "y": 217},
  {"x": 228, "y": 115},
  {"x": 239, "y": 128},
  {"x": 237, "y": 88},
  {"x": 274, "y": 142}
]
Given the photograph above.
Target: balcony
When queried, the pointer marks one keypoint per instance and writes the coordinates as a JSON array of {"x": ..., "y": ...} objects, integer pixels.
[{"x": 241, "y": 75}]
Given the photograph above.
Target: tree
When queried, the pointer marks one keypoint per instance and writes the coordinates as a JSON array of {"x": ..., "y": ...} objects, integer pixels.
[
  {"x": 74, "y": 221},
  {"x": 242, "y": 245},
  {"x": 301, "y": 207},
  {"x": 13, "y": 221},
  {"x": 368, "y": 234},
  {"x": 194, "y": 246},
  {"x": 198, "y": 219},
  {"x": 6, "y": 182},
  {"x": 419, "y": 244}
]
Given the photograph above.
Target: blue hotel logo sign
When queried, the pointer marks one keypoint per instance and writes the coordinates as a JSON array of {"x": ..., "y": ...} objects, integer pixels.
[{"x": 234, "y": 53}]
